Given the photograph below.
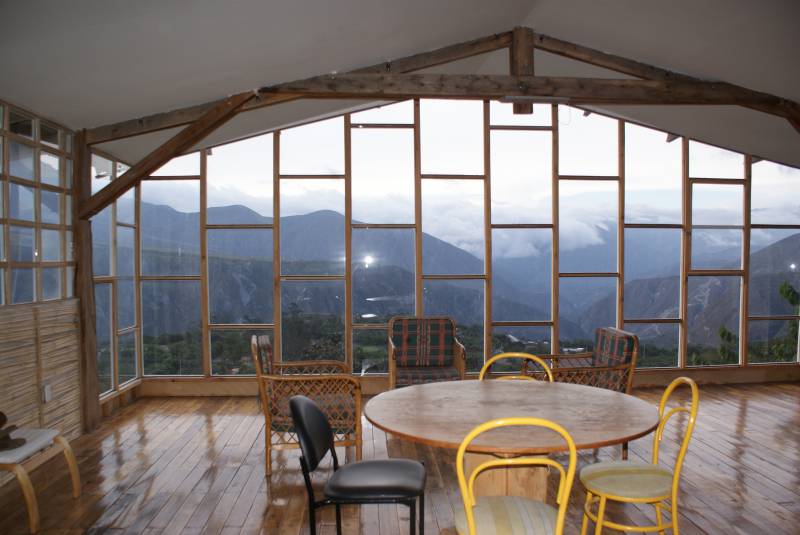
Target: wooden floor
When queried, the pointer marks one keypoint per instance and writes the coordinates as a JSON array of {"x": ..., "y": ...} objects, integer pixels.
[{"x": 195, "y": 465}]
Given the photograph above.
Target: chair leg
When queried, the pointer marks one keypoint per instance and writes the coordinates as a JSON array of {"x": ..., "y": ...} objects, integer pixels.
[
  {"x": 422, "y": 513},
  {"x": 674, "y": 505},
  {"x": 267, "y": 452},
  {"x": 412, "y": 506},
  {"x": 338, "y": 519},
  {"x": 30, "y": 497},
  {"x": 659, "y": 521},
  {"x": 312, "y": 521},
  {"x": 72, "y": 464},
  {"x": 585, "y": 522},
  {"x": 601, "y": 510},
  {"x": 625, "y": 451}
]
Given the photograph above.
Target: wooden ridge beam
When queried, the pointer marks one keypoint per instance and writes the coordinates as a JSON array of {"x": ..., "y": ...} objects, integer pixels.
[
  {"x": 566, "y": 89},
  {"x": 183, "y": 140},
  {"x": 184, "y": 116}
]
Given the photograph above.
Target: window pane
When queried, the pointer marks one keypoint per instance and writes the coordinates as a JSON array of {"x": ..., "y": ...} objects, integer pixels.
[
  {"x": 652, "y": 273},
  {"x": 21, "y": 202},
  {"x": 102, "y": 172},
  {"x": 774, "y": 272},
  {"x": 653, "y": 175},
  {"x": 451, "y": 137},
  {"x": 587, "y": 145},
  {"x": 658, "y": 344},
  {"x": 230, "y": 351},
  {"x": 50, "y": 207},
  {"x": 453, "y": 226},
  {"x": 370, "y": 351},
  {"x": 312, "y": 242},
  {"x": 23, "y": 286},
  {"x": 313, "y": 149},
  {"x": 773, "y": 341},
  {"x": 383, "y": 274},
  {"x": 20, "y": 160},
  {"x": 587, "y": 226},
  {"x": 101, "y": 243},
  {"x": 103, "y": 333},
  {"x": 312, "y": 320},
  {"x": 68, "y": 174},
  {"x": 51, "y": 283},
  {"x": 706, "y": 161},
  {"x": 126, "y": 258},
  {"x": 240, "y": 275},
  {"x": 126, "y": 303},
  {"x": 127, "y": 357},
  {"x": 170, "y": 227},
  {"x": 70, "y": 282},
  {"x": 716, "y": 248},
  {"x": 715, "y": 204},
  {"x": 188, "y": 165},
  {"x": 51, "y": 245},
  {"x": 502, "y": 113},
  {"x": 522, "y": 274},
  {"x": 584, "y": 305},
  {"x": 776, "y": 189},
  {"x": 171, "y": 328},
  {"x": 383, "y": 175},
  {"x": 713, "y": 321},
  {"x": 20, "y": 124},
  {"x": 69, "y": 246},
  {"x": 400, "y": 113},
  {"x": 21, "y": 245},
  {"x": 126, "y": 209},
  {"x": 48, "y": 135},
  {"x": 239, "y": 181},
  {"x": 49, "y": 165},
  {"x": 522, "y": 176},
  {"x": 535, "y": 340},
  {"x": 462, "y": 300}
]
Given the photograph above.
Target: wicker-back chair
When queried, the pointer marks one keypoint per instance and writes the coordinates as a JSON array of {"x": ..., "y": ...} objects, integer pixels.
[
  {"x": 610, "y": 365},
  {"x": 325, "y": 381},
  {"x": 424, "y": 350}
]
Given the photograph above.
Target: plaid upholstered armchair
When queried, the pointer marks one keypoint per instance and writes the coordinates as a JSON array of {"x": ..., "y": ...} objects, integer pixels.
[
  {"x": 325, "y": 381},
  {"x": 424, "y": 350}
]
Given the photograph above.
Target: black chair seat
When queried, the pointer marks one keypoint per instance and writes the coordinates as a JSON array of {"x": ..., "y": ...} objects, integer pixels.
[{"x": 388, "y": 479}]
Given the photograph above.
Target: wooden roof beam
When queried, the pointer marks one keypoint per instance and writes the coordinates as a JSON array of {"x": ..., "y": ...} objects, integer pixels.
[
  {"x": 545, "y": 88},
  {"x": 521, "y": 62},
  {"x": 184, "y": 116},
  {"x": 212, "y": 119}
]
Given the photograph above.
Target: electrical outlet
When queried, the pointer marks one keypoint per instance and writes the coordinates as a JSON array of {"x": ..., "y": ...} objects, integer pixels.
[{"x": 47, "y": 393}]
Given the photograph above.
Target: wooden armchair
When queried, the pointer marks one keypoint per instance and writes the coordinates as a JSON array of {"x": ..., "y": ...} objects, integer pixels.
[
  {"x": 424, "y": 350},
  {"x": 324, "y": 381}
]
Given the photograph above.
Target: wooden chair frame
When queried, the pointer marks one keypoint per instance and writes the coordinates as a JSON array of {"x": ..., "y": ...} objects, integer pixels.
[
  {"x": 459, "y": 351},
  {"x": 314, "y": 379},
  {"x": 516, "y": 355},
  {"x": 27, "y": 487}
]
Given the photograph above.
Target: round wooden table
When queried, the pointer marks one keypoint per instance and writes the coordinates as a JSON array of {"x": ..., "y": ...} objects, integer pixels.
[{"x": 441, "y": 415}]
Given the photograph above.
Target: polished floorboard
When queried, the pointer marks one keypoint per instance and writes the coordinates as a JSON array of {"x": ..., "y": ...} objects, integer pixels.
[{"x": 195, "y": 466}]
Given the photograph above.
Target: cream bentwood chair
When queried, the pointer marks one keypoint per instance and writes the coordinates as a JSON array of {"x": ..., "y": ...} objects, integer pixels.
[
  {"x": 513, "y": 515},
  {"x": 640, "y": 482},
  {"x": 524, "y": 356}
]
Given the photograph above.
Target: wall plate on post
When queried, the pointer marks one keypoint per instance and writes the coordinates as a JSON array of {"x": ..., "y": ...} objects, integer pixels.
[{"x": 47, "y": 393}]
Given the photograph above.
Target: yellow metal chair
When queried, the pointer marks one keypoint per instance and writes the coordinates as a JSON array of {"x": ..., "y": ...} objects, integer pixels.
[
  {"x": 639, "y": 482},
  {"x": 526, "y": 356},
  {"x": 513, "y": 515}
]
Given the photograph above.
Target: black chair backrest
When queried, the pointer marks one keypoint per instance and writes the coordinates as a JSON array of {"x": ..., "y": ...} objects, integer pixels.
[{"x": 313, "y": 430}]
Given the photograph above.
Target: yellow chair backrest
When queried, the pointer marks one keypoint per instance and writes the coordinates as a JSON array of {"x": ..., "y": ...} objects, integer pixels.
[
  {"x": 467, "y": 485},
  {"x": 515, "y": 355},
  {"x": 664, "y": 419}
]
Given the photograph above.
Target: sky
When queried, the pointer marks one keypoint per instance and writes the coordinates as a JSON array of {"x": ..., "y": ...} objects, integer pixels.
[{"x": 452, "y": 143}]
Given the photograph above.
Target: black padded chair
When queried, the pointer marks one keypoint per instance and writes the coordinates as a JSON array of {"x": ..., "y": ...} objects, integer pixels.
[{"x": 380, "y": 481}]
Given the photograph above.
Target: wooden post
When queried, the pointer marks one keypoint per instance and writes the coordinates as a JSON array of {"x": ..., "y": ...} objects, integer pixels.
[
  {"x": 84, "y": 286},
  {"x": 521, "y": 59}
]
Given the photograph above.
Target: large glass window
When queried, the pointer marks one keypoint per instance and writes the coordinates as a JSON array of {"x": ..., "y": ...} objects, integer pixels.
[
  {"x": 170, "y": 226},
  {"x": 312, "y": 318},
  {"x": 171, "y": 327}
]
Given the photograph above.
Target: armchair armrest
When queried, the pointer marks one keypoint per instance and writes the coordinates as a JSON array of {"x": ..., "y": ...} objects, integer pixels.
[
  {"x": 569, "y": 360},
  {"x": 459, "y": 357}
]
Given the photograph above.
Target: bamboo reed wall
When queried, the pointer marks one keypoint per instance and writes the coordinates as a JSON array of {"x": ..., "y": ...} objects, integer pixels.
[{"x": 40, "y": 345}]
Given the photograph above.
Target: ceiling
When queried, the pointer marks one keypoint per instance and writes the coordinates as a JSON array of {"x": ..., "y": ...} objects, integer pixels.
[{"x": 86, "y": 63}]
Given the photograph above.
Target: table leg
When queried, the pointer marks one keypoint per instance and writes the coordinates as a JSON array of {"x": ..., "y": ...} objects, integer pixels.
[{"x": 525, "y": 481}]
